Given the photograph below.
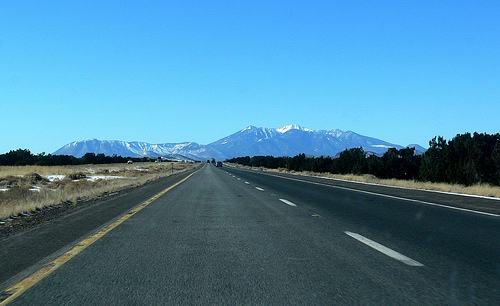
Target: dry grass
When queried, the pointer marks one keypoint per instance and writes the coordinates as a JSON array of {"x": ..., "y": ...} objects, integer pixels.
[
  {"x": 17, "y": 198},
  {"x": 480, "y": 189},
  {"x": 90, "y": 169}
]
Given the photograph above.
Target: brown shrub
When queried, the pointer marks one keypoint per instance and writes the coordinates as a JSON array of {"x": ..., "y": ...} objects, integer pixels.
[
  {"x": 77, "y": 175},
  {"x": 33, "y": 178}
]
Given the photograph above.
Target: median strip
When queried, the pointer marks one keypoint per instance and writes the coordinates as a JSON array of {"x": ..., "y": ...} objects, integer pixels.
[{"x": 385, "y": 250}]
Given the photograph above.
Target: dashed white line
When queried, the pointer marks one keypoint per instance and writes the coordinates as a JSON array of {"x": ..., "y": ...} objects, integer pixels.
[
  {"x": 390, "y": 196},
  {"x": 247, "y": 183},
  {"x": 288, "y": 202},
  {"x": 385, "y": 250},
  {"x": 238, "y": 179},
  {"x": 258, "y": 188}
]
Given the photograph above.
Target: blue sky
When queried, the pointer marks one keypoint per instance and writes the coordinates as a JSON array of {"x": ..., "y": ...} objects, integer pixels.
[{"x": 175, "y": 71}]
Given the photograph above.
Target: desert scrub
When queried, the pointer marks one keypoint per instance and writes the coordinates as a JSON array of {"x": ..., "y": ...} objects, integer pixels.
[
  {"x": 18, "y": 200},
  {"x": 25, "y": 181},
  {"x": 77, "y": 175},
  {"x": 33, "y": 178},
  {"x": 41, "y": 170}
]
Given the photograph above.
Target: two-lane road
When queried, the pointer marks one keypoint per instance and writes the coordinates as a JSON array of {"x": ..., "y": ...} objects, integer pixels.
[{"x": 228, "y": 236}]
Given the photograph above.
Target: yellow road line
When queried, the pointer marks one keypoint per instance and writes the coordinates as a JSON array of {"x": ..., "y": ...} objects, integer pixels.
[{"x": 16, "y": 290}]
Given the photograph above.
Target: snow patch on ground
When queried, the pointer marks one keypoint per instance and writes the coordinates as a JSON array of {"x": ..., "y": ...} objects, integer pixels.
[
  {"x": 55, "y": 177},
  {"x": 60, "y": 177},
  {"x": 103, "y": 177}
]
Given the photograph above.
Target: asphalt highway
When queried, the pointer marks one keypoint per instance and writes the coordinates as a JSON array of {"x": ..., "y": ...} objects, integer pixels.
[{"x": 232, "y": 236}]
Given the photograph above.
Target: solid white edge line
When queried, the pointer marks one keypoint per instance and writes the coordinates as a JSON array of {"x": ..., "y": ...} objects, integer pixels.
[
  {"x": 392, "y": 197},
  {"x": 390, "y": 186},
  {"x": 258, "y": 188},
  {"x": 385, "y": 250},
  {"x": 288, "y": 202},
  {"x": 409, "y": 188}
]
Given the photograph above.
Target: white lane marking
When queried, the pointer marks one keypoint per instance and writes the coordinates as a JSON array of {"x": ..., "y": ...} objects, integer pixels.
[
  {"x": 409, "y": 188},
  {"x": 238, "y": 179},
  {"x": 288, "y": 202},
  {"x": 392, "y": 197},
  {"x": 247, "y": 183},
  {"x": 385, "y": 250},
  {"x": 258, "y": 188}
]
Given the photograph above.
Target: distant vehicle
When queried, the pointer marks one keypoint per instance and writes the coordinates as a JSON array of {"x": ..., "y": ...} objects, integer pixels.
[
  {"x": 208, "y": 161},
  {"x": 219, "y": 164},
  {"x": 130, "y": 162}
]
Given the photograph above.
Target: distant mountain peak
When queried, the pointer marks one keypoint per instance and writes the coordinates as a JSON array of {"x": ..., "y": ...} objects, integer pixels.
[
  {"x": 281, "y": 130},
  {"x": 289, "y": 140},
  {"x": 250, "y": 127}
]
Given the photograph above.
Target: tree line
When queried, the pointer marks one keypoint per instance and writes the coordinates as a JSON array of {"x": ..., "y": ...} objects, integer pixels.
[
  {"x": 23, "y": 157},
  {"x": 466, "y": 159}
]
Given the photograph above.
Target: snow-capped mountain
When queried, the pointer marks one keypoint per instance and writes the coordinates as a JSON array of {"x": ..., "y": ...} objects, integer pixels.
[
  {"x": 284, "y": 141},
  {"x": 293, "y": 139},
  {"x": 185, "y": 150}
]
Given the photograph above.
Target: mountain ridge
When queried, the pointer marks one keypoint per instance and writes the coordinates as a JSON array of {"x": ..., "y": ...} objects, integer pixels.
[{"x": 288, "y": 140}]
